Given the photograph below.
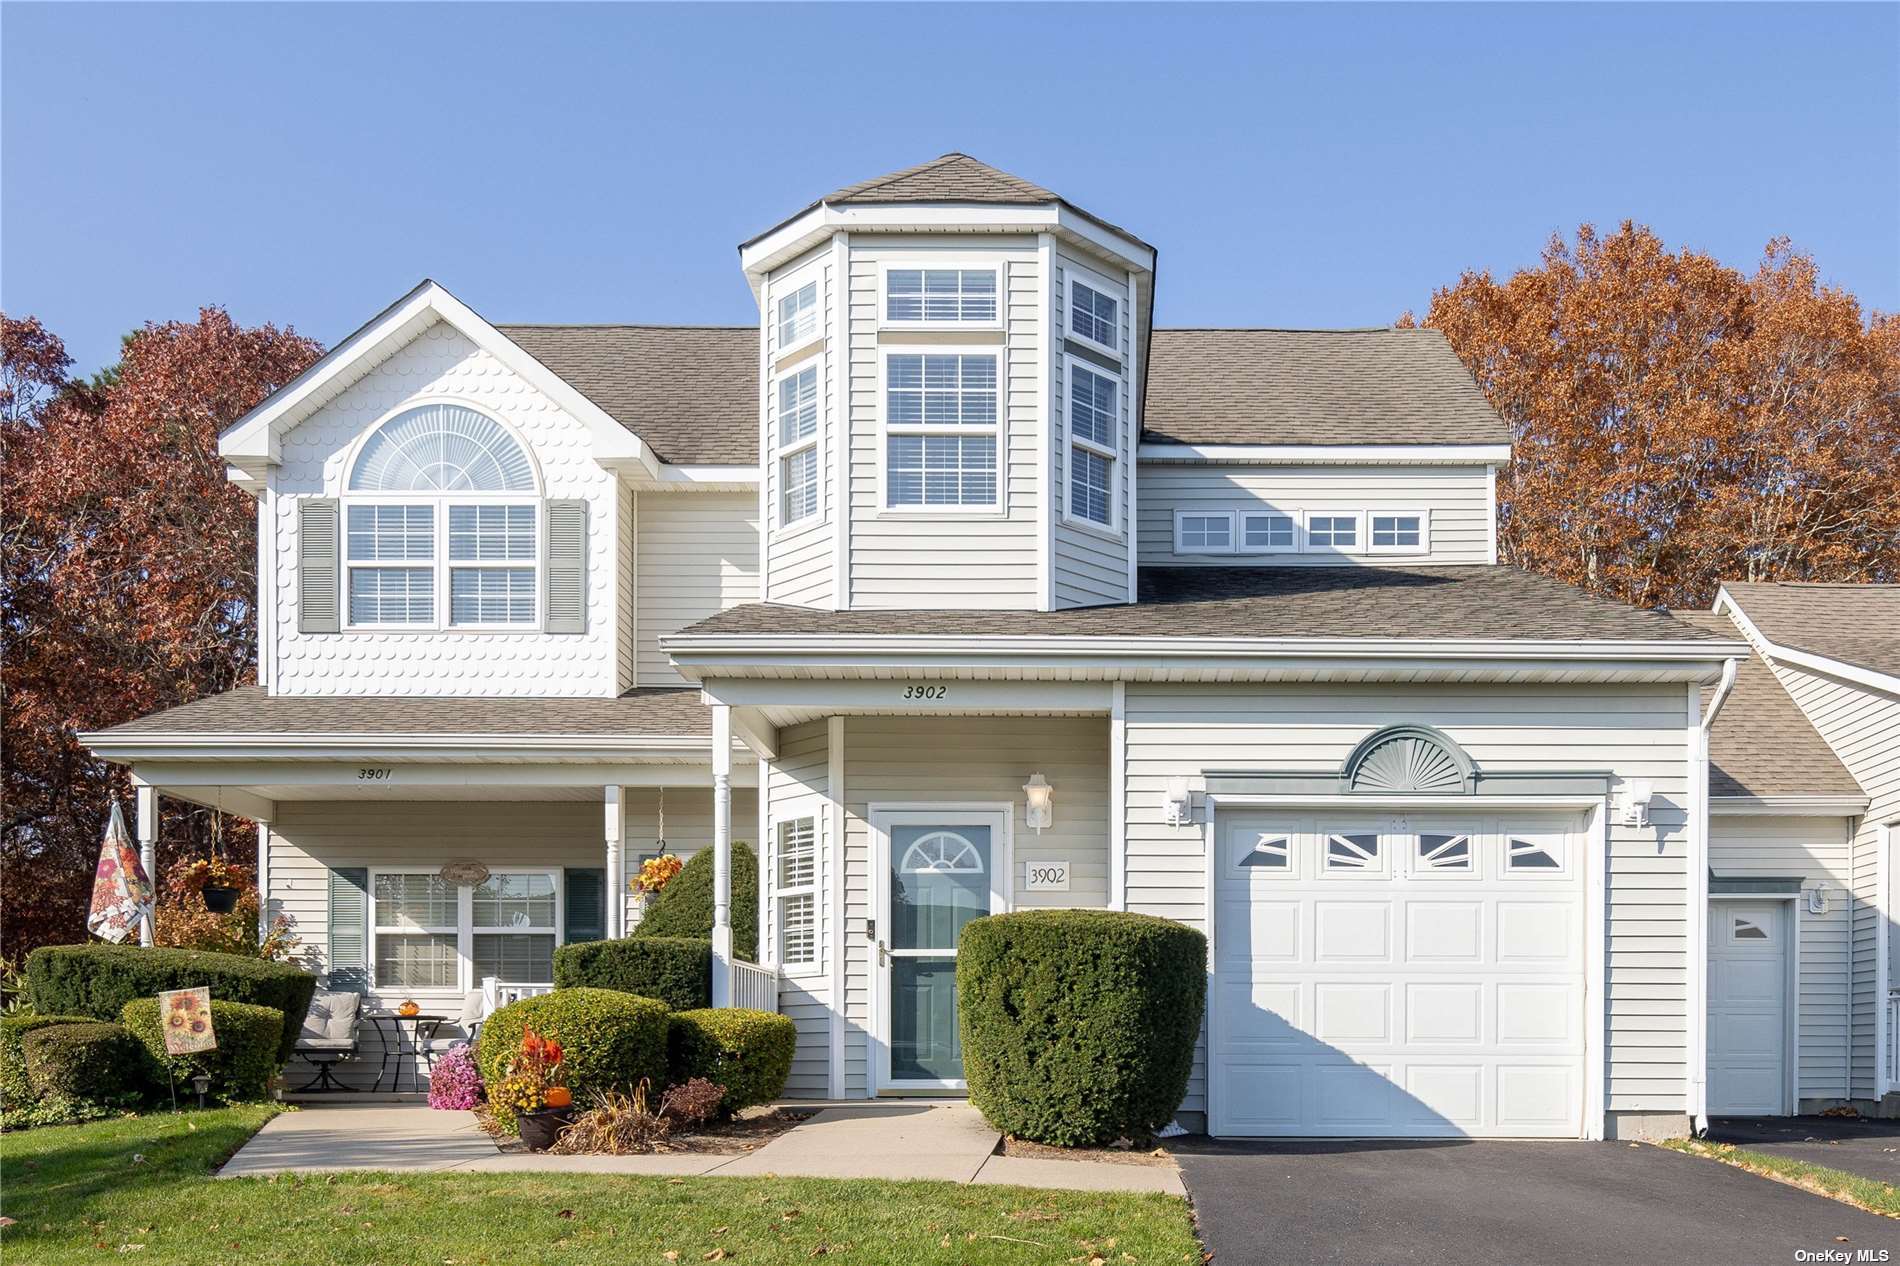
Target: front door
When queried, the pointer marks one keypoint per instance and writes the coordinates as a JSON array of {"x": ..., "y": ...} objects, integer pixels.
[
  {"x": 937, "y": 870},
  {"x": 1748, "y": 1008}
]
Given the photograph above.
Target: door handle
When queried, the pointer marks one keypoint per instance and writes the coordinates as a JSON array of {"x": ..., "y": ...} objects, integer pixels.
[{"x": 880, "y": 953}]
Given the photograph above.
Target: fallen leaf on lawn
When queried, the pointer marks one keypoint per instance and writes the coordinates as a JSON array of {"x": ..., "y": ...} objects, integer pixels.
[
  {"x": 717, "y": 1255},
  {"x": 945, "y": 1241},
  {"x": 565, "y": 1213},
  {"x": 671, "y": 1255},
  {"x": 130, "y": 1248},
  {"x": 788, "y": 1215},
  {"x": 720, "y": 1230}
]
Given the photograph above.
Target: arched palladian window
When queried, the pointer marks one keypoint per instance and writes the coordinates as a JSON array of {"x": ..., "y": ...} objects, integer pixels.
[{"x": 441, "y": 516}]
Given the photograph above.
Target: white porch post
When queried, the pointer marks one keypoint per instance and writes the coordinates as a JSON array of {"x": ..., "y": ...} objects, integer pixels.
[
  {"x": 146, "y": 798},
  {"x": 615, "y": 830},
  {"x": 263, "y": 882},
  {"x": 722, "y": 855}
]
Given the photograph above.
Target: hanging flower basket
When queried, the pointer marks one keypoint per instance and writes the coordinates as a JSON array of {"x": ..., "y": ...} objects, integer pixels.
[{"x": 221, "y": 898}]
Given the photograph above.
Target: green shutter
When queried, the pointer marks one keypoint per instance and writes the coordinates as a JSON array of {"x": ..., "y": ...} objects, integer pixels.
[
  {"x": 319, "y": 600},
  {"x": 586, "y": 905},
  {"x": 566, "y": 571},
  {"x": 349, "y": 929}
]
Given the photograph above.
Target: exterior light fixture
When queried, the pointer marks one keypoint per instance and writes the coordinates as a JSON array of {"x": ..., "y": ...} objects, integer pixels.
[
  {"x": 1040, "y": 811},
  {"x": 1180, "y": 803},
  {"x": 1637, "y": 793}
]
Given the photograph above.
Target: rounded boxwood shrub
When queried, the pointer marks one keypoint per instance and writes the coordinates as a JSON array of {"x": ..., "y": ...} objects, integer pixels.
[
  {"x": 675, "y": 969},
  {"x": 747, "y": 1052},
  {"x": 91, "y": 1061},
  {"x": 685, "y": 906},
  {"x": 610, "y": 1040},
  {"x": 98, "y": 980},
  {"x": 1078, "y": 1026},
  {"x": 15, "y": 1091},
  {"x": 240, "y": 1068}
]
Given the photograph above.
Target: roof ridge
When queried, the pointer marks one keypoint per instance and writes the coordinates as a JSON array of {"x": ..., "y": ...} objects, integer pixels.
[
  {"x": 905, "y": 173},
  {"x": 1290, "y": 329},
  {"x": 618, "y": 325}
]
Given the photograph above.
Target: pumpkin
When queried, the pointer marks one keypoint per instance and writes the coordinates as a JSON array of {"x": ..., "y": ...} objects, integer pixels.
[
  {"x": 558, "y": 1097},
  {"x": 409, "y": 1007}
]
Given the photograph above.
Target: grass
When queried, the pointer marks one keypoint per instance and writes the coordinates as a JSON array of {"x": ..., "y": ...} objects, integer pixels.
[
  {"x": 81, "y": 1193},
  {"x": 1870, "y": 1194}
]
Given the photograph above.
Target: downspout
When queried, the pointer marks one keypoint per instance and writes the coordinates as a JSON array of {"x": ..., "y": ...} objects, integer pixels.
[{"x": 1699, "y": 908}]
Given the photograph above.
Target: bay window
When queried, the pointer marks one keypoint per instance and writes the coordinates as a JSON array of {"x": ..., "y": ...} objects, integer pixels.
[
  {"x": 1094, "y": 429},
  {"x": 942, "y": 430},
  {"x": 429, "y": 935}
]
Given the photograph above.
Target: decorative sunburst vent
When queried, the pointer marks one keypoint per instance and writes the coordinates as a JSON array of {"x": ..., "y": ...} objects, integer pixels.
[{"x": 1407, "y": 758}]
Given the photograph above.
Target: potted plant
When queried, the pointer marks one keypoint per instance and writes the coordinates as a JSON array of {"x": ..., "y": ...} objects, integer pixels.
[
  {"x": 655, "y": 874},
  {"x": 534, "y": 1090}
]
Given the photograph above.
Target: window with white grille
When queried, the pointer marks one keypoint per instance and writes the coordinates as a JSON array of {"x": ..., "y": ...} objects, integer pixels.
[
  {"x": 1407, "y": 532},
  {"x": 942, "y": 430},
  {"x": 797, "y": 432},
  {"x": 429, "y": 935},
  {"x": 1200, "y": 532},
  {"x": 796, "y": 891},
  {"x": 1268, "y": 532},
  {"x": 1094, "y": 316},
  {"x": 797, "y": 316},
  {"x": 1332, "y": 530},
  {"x": 1094, "y": 426},
  {"x": 940, "y": 296}
]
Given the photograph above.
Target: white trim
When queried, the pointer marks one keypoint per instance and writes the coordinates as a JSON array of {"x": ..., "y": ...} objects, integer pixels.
[
  {"x": 1112, "y": 452},
  {"x": 778, "y": 527},
  {"x": 950, "y": 260},
  {"x": 1328, "y": 454},
  {"x": 1887, "y": 836},
  {"x": 1424, "y": 545},
  {"x": 1359, "y": 542},
  {"x": 1855, "y": 673},
  {"x": 464, "y": 930},
  {"x": 838, "y": 421},
  {"x": 770, "y": 862},
  {"x": 1046, "y": 428},
  {"x": 1073, "y": 272},
  {"x": 1696, "y": 858},
  {"x": 1791, "y": 982},
  {"x": 691, "y": 474},
  {"x": 1133, "y": 472},
  {"x": 1233, "y": 531},
  {"x": 839, "y": 947},
  {"x": 880, "y": 817},
  {"x": 1787, "y": 806},
  {"x": 998, "y": 431},
  {"x": 1118, "y": 795}
]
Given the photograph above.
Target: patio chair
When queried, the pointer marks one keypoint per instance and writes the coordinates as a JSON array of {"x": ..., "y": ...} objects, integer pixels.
[
  {"x": 329, "y": 1036},
  {"x": 469, "y": 1023}
]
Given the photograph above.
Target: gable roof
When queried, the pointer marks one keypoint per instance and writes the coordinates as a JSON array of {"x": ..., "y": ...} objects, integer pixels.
[
  {"x": 691, "y": 392},
  {"x": 1367, "y": 386},
  {"x": 1857, "y": 624},
  {"x": 1763, "y": 744}
]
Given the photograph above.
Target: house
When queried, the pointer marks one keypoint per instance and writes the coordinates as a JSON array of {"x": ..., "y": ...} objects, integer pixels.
[
  {"x": 1804, "y": 786},
  {"x": 956, "y": 587}
]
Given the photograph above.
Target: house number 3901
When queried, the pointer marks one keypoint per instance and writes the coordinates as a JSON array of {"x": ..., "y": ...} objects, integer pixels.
[
  {"x": 374, "y": 774},
  {"x": 926, "y": 692}
]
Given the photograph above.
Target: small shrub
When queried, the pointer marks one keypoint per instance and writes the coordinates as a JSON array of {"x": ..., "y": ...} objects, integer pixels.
[
  {"x": 617, "y": 1124},
  {"x": 675, "y": 969},
  {"x": 455, "y": 1084},
  {"x": 692, "y": 1102},
  {"x": 15, "y": 1091},
  {"x": 240, "y": 1068},
  {"x": 98, "y": 980},
  {"x": 747, "y": 1052},
  {"x": 609, "y": 1040},
  {"x": 1078, "y": 1026},
  {"x": 92, "y": 1061},
  {"x": 685, "y": 906}
]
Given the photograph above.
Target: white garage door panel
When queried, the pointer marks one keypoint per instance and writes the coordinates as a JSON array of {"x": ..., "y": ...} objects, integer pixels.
[{"x": 1398, "y": 978}]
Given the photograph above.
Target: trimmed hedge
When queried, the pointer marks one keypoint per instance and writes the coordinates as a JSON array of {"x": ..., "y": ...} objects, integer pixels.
[
  {"x": 91, "y": 1061},
  {"x": 15, "y": 1090},
  {"x": 685, "y": 906},
  {"x": 98, "y": 980},
  {"x": 610, "y": 1040},
  {"x": 1078, "y": 1026},
  {"x": 675, "y": 969},
  {"x": 747, "y": 1052},
  {"x": 240, "y": 1068}
]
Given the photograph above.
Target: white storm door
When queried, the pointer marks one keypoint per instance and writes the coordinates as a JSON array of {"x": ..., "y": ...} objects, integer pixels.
[
  {"x": 936, "y": 869},
  {"x": 1748, "y": 1008}
]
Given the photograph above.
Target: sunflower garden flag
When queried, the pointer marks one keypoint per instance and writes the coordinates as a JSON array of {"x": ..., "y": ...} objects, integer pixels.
[{"x": 187, "y": 1015}]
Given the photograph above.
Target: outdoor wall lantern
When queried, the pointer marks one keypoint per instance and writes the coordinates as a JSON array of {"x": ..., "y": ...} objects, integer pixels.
[
  {"x": 1041, "y": 809},
  {"x": 1637, "y": 793},
  {"x": 1180, "y": 803}
]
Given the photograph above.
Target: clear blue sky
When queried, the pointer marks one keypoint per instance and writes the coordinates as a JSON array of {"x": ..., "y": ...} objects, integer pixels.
[{"x": 1295, "y": 165}]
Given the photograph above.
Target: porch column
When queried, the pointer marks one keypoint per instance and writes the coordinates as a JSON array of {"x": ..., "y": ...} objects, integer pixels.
[
  {"x": 146, "y": 798},
  {"x": 615, "y": 831},
  {"x": 263, "y": 882},
  {"x": 722, "y": 855}
]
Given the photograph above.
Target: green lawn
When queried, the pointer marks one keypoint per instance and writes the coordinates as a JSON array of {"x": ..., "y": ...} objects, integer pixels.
[
  {"x": 80, "y": 1194},
  {"x": 1867, "y": 1193}
]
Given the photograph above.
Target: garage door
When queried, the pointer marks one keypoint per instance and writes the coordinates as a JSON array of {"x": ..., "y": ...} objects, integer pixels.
[{"x": 1405, "y": 976}]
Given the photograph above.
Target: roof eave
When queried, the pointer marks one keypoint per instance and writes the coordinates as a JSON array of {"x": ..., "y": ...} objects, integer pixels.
[{"x": 1797, "y": 805}]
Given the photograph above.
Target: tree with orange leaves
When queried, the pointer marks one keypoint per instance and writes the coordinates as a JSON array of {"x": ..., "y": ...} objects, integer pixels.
[{"x": 1678, "y": 424}]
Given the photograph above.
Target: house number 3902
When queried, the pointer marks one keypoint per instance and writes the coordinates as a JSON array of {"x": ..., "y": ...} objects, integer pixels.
[
  {"x": 374, "y": 774},
  {"x": 926, "y": 692}
]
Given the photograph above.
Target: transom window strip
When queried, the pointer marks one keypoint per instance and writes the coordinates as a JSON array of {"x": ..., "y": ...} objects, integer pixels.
[
  {"x": 948, "y": 295},
  {"x": 1212, "y": 533},
  {"x": 1092, "y": 314},
  {"x": 798, "y": 316},
  {"x": 1332, "y": 530},
  {"x": 1267, "y": 531},
  {"x": 1396, "y": 530}
]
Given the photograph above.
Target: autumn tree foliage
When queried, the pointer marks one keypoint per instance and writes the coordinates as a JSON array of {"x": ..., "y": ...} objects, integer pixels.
[
  {"x": 126, "y": 582},
  {"x": 1678, "y": 423}
]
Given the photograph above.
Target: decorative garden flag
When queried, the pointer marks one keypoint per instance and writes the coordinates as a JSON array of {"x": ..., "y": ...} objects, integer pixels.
[
  {"x": 187, "y": 1015},
  {"x": 121, "y": 892}
]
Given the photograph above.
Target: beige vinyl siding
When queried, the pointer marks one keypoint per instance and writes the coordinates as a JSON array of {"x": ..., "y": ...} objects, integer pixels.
[
  {"x": 688, "y": 827},
  {"x": 1634, "y": 732},
  {"x": 1863, "y": 728},
  {"x": 909, "y": 559},
  {"x": 800, "y": 567},
  {"x": 1457, "y": 497},
  {"x": 1819, "y": 851},
  {"x": 795, "y": 787},
  {"x": 696, "y": 554},
  {"x": 968, "y": 760},
  {"x": 1090, "y": 564}
]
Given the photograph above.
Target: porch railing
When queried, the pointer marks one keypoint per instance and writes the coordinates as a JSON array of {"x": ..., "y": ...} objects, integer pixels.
[
  {"x": 754, "y": 986},
  {"x": 498, "y": 993}
]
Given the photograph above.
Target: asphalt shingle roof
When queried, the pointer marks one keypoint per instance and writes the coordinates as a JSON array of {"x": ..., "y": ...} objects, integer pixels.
[
  {"x": 1271, "y": 602},
  {"x": 1762, "y": 744},
  {"x": 1377, "y": 386},
  {"x": 248, "y": 710},
  {"x": 1854, "y": 623}
]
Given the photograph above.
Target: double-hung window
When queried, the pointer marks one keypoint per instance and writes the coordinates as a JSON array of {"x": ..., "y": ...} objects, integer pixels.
[
  {"x": 513, "y": 926},
  {"x": 1094, "y": 314},
  {"x": 940, "y": 296},
  {"x": 441, "y": 527},
  {"x": 417, "y": 927},
  {"x": 798, "y": 446},
  {"x": 797, "y": 316},
  {"x": 795, "y": 883},
  {"x": 1094, "y": 427},
  {"x": 942, "y": 430},
  {"x": 433, "y": 936}
]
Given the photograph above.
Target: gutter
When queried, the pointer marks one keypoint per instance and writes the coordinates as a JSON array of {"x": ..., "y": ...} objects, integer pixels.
[{"x": 1699, "y": 908}]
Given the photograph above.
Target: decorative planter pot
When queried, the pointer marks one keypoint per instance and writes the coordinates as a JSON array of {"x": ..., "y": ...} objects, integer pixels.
[
  {"x": 541, "y": 1127},
  {"x": 220, "y": 899}
]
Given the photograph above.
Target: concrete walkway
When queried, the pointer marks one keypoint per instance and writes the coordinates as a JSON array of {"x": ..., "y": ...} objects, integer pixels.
[{"x": 947, "y": 1142}]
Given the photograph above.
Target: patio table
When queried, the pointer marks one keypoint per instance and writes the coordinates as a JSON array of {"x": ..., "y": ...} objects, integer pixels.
[{"x": 421, "y": 1031}]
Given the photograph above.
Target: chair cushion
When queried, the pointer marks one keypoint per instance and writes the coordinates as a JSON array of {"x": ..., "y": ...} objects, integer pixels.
[
  {"x": 326, "y": 1045},
  {"x": 474, "y": 1010},
  {"x": 332, "y": 1016}
]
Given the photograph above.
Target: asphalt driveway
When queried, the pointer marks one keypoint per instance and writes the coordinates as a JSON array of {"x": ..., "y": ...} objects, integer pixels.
[
  {"x": 1466, "y": 1203},
  {"x": 1868, "y": 1148}
]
